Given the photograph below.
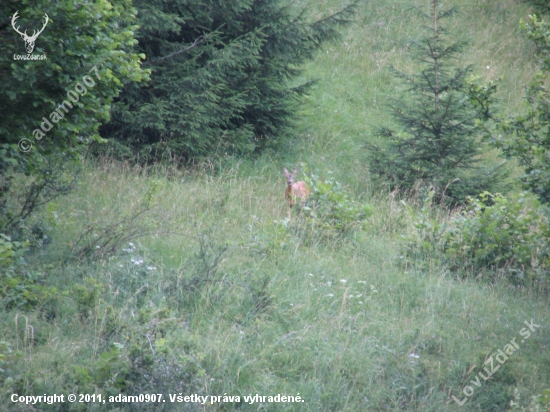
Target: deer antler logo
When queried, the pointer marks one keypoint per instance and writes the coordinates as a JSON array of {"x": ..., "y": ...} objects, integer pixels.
[{"x": 29, "y": 40}]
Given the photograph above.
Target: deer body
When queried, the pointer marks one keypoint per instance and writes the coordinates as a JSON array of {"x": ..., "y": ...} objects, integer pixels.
[{"x": 294, "y": 190}]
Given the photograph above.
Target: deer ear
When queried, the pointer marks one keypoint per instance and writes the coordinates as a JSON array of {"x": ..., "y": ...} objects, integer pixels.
[
  {"x": 296, "y": 171},
  {"x": 285, "y": 170}
]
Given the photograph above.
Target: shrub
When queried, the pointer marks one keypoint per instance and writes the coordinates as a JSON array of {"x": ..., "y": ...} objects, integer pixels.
[
  {"x": 11, "y": 253},
  {"x": 86, "y": 296},
  {"x": 539, "y": 403},
  {"x": 157, "y": 357},
  {"x": 331, "y": 209},
  {"x": 524, "y": 136},
  {"x": 493, "y": 234},
  {"x": 102, "y": 35},
  {"x": 501, "y": 234},
  {"x": 19, "y": 287}
]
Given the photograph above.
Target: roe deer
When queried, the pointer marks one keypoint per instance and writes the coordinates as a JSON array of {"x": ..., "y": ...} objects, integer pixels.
[{"x": 294, "y": 190}]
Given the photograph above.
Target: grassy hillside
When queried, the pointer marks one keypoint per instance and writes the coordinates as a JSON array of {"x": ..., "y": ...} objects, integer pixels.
[
  {"x": 211, "y": 291},
  {"x": 356, "y": 83}
]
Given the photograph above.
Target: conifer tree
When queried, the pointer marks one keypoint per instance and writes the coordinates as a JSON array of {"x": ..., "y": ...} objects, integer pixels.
[
  {"x": 525, "y": 136},
  {"x": 437, "y": 142},
  {"x": 528, "y": 136},
  {"x": 223, "y": 77}
]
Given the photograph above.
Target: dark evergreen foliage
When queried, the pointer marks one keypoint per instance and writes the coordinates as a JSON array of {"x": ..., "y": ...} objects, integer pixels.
[
  {"x": 526, "y": 136},
  {"x": 437, "y": 143},
  {"x": 222, "y": 77}
]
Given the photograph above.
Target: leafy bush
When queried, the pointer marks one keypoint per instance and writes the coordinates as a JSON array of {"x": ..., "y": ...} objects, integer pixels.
[
  {"x": 503, "y": 234},
  {"x": 24, "y": 291},
  {"x": 27, "y": 193},
  {"x": 86, "y": 296},
  {"x": 524, "y": 136},
  {"x": 19, "y": 288},
  {"x": 11, "y": 253},
  {"x": 493, "y": 235},
  {"x": 539, "y": 403},
  {"x": 157, "y": 356},
  {"x": 331, "y": 209},
  {"x": 102, "y": 35}
]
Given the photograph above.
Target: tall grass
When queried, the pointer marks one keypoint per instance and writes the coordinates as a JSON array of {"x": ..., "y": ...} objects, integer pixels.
[{"x": 253, "y": 309}]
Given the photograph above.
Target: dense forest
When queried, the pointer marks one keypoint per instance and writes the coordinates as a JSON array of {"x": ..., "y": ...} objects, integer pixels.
[{"x": 273, "y": 205}]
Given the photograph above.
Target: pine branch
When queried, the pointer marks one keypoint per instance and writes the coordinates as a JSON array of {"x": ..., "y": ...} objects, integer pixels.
[{"x": 197, "y": 42}]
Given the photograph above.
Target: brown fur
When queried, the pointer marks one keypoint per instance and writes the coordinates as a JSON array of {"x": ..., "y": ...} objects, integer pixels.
[{"x": 294, "y": 190}]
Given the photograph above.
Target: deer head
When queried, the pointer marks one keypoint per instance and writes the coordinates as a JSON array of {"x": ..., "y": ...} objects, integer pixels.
[
  {"x": 29, "y": 40},
  {"x": 290, "y": 176}
]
